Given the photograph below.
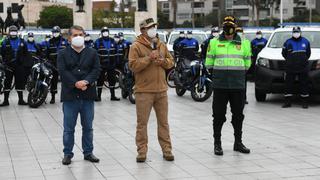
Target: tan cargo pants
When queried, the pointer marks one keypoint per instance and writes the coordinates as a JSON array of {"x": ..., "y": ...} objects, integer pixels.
[{"x": 144, "y": 103}]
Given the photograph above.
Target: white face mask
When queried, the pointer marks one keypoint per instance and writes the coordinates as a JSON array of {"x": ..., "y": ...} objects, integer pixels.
[
  {"x": 121, "y": 38},
  {"x": 152, "y": 32},
  {"x": 181, "y": 35},
  {"x": 13, "y": 33},
  {"x": 296, "y": 35},
  {"x": 215, "y": 34},
  {"x": 189, "y": 36},
  {"x": 259, "y": 36},
  {"x": 56, "y": 34},
  {"x": 87, "y": 38},
  {"x": 47, "y": 39},
  {"x": 116, "y": 40},
  {"x": 105, "y": 34},
  {"x": 77, "y": 41},
  {"x": 31, "y": 39}
]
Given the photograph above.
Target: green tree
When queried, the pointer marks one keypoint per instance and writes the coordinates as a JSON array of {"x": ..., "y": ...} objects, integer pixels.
[
  {"x": 56, "y": 16},
  {"x": 163, "y": 20}
]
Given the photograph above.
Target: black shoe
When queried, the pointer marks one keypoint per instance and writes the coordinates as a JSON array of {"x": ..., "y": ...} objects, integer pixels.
[
  {"x": 305, "y": 106},
  {"x": 114, "y": 98},
  {"x": 238, "y": 146},
  {"x": 5, "y": 103},
  {"x": 66, "y": 160},
  {"x": 98, "y": 99},
  {"x": 52, "y": 101},
  {"x": 91, "y": 158},
  {"x": 246, "y": 102},
  {"x": 22, "y": 102},
  {"x": 286, "y": 105},
  {"x": 218, "y": 150}
]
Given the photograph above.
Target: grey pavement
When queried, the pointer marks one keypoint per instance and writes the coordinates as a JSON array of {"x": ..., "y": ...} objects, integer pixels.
[{"x": 285, "y": 143}]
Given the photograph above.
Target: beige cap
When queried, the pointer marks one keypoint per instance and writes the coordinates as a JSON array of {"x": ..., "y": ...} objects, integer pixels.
[{"x": 147, "y": 23}]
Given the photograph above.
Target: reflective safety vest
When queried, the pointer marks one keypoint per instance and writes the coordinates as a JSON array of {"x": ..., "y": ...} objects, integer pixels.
[{"x": 229, "y": 60}]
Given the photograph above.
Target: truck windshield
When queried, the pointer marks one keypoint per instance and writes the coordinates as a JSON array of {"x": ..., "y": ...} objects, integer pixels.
[{"x": 279, "y": 38}]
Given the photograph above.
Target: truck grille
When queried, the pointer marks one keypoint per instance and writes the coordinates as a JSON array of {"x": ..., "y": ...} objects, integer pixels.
[{"x": 280, "y": 65}]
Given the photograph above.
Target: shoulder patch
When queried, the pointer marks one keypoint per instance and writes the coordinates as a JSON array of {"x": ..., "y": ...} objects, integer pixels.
[{"x": 221, "y": 45}]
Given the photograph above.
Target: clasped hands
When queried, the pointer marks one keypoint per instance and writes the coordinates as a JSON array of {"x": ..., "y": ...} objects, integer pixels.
[
  {"x": 156, "y": 57},
  {"x": 82, "y": 85}
]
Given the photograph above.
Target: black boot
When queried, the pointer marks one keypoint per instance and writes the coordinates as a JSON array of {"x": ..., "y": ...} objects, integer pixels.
[
  {"x": 218, "y": 148},
  {"x": 113, "y": 96},
  {"x": 53, "y": 99},
  {"x": 305, "y": 104},
  {"x": 21, "y": 101},
  {"x": 287, "y": 103},
  {"x": 98, "y": 98},
  {"x": 6, "y": 99},
  {"x": 238, "y": 145}
]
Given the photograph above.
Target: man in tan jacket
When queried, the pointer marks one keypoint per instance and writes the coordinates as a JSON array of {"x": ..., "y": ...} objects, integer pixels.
[{"x": 149, "y": 59}]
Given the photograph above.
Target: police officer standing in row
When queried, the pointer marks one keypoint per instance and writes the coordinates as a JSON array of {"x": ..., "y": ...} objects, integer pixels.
[
  {"x": 45, "y": 44},
  {"x": 204, "y": 45},
  {"x": 296, "y": 52},
  {"x": 33, "y": 50},
  {"x": 106, "y": 48},
  {"x": 56, "y": 43},
  {"x": 124, "y": 41},
  {"x": 189, "y": 47},
  {"x": 88, "y": 42},
  {"x": 121, "y": 50},
  {"x": 177, "y": 42},
  {"x": 257, "y": 45},
  {"x": 14, "y": 51},
  {"x": 229, "y": 59}
]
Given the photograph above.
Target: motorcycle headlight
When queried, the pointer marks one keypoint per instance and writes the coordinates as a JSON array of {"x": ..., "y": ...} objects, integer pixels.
[
  {"x": 46, "y": 72},
  {"x": 263, "y": 62}
]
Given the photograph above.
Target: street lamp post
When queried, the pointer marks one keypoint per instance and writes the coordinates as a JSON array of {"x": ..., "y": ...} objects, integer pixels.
[{"x": 281, "y": 12}]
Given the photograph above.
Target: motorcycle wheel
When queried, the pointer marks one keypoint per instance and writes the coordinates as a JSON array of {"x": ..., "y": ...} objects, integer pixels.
[
  {"x": 118, "y": 77},
  {"x": 200, "y": 95},
  {"x": 124, "y": 93},
  {"x": 180, "y": 91},
  {"x": 132, "y": 98},
  {"x": 35, "y": 103},
  {"x": 170, "y": 79}
]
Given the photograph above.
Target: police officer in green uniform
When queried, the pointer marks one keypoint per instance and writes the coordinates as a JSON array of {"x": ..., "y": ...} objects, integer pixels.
[{"x": 229, "y": 59}]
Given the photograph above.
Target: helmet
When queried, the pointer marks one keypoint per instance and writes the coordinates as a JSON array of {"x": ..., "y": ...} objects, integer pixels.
[
  {"x": 229, "y": 19},
  {"x": 56, "y": 29},
  {"x": 13, "y": 28},
  {"x": 296, "y": 29},
  {"x": 120, "y": 34},
  {"x": 189, "y": 32},
  {"x": 30, "y": 34},
  {"x": 214, "y": 29},
  {"x": 116, "y": 36},
  {"x": 104, "y": 29},
  {"x": 239, "y": 29}
]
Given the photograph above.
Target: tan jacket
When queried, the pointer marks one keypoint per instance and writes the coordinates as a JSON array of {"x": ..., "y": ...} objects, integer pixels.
[{"x": 149, "y": 77}]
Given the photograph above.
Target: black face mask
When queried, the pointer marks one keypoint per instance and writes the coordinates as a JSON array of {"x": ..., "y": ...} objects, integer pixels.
[{"x": 229, "y": 29}]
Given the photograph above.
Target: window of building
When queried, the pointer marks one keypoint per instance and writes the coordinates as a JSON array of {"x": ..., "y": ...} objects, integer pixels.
[
  {"x": 14, "y": 7},
  {"x": 1, "y": 7},
  {"x": 285, "y": 11},
  {"x": 215, "y": 4},
  {"x": 198, "y": 5},
  {"x": 184, "y": 16},
  {"x": 165, "y": 6}
]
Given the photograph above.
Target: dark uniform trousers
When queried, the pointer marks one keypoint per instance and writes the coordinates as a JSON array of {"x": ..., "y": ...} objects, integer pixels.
[
  {"x": 236, "y": 98},
  {"x": 290, "y": 78}
]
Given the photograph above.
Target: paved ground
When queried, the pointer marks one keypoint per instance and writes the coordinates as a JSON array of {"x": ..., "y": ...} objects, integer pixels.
[{"x": 284, "y": 142}]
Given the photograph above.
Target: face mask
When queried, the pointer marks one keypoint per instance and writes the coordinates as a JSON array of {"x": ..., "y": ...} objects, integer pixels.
[
  {"x": 181, "y": 35},
  {"x": 116, "y": 40},
  {"x": 296, "y": 35},
  {"x": 77, "y": 41},
  {"x": 31, "y": 39},
  {"x": 13, "y": 33},
  {"x": 56, "y": 34},
  {"x": 215, "y": 34},
  {"x": 47, "y": 39},
  {"x": 121, "y": 38},
  {"x": 87, "y": 38},
  {"x": 105, "y": 34},
  {"x": 189, "y": 36},
  {"x": 152, "y": 32},
  {"x": 259, "y": 36},
  {"x": 240, "y": 34}
]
